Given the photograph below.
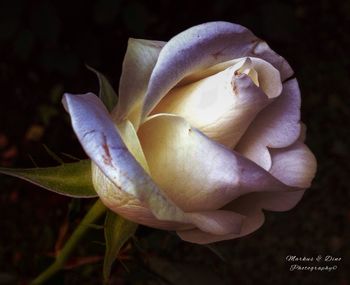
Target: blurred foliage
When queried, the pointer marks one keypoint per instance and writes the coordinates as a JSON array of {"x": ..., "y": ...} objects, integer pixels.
[{"x": 44, "y": 46}]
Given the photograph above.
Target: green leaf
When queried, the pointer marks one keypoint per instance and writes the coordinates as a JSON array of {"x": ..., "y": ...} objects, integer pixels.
[
  {"x": 117, "y": 231},
  {"x": 69, "y": 179},
  {"x": 106, "y": 94}
]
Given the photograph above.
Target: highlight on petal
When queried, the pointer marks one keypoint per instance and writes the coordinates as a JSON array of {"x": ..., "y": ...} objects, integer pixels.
[
  {"x": 195, "y": 172},
  {"x": 222, "y": 106},
  {"x": 201, "y": 47},
  {"x": 277, "y": 126},
  {"x": 139, "y": 60},
  {"x": 104, "y": 145}
]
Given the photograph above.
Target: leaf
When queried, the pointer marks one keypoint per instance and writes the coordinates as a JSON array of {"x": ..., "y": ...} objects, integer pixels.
[
  {"x": 69, "y": 179},
  {"x": 117, "y": 231},
  {"x": 106, "y": 94}
]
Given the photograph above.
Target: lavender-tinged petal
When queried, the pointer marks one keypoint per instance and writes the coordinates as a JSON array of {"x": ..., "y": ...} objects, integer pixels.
[
  {"x": 294, "y": 165},
  {"x": 200, "y": 47},
  {"x": 104, "y": 145},
  {"x": 277, "y": 126},
  {"x": 251, "y": 223},
  {"x": 195, "y": 172},
  {"x": 217, "y": 222}
]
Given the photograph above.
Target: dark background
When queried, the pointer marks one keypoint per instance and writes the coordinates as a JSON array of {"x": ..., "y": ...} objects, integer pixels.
[{"x": 43, "y": 48}]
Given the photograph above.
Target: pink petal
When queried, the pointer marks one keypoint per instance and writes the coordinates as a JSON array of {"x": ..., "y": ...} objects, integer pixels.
[{"x": 277, "y": 126}]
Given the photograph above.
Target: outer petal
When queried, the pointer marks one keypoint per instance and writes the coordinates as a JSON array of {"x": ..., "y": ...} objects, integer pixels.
[
  {"x": 129, "y": 206},
  {"x": 195, "y": 172},
  {"x": 277, "y": 126},
  {"x": 139, "y": 60},
  {"x": 104, "y": 145},
  {"x": 252, "y": 222},
  {"x": 200, "y": 47},
  {"x": 295, "y": 166}
]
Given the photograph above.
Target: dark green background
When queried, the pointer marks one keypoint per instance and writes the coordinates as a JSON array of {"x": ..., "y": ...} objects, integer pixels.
[{"x": 43, "y": 48}]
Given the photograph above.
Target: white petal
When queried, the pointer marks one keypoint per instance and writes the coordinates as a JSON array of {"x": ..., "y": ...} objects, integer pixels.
[
  {"x": 104, "y": 145},
  {"x": 195, "y": 172},
  {"x": 294, "y": 165},
  {"x": 268, "y": 77},
  {"x": 201, "y": 47},
  {"x": 129, "y": 206},
  {"x": 139, "y": 60},
  {"x": 217, "y": 222},
  {"x": 277, "y": 126},
  {"x": 221, "y": 106}
]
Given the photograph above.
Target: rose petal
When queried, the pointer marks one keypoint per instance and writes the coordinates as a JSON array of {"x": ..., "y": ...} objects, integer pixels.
[
  {"x": 129, "y": 206},
  {"x": 139, "y": 60},
  {"x": 277, "y": 126},
  {"x": 268, "y": 76},
  {"x": 263, "y": 51},
  {"x": 218, "y": 222},
  {"x": 221, "y": 106},
  {"x": 294, "y": 165},
  {"x": 251, "y": 223},
  {"x": 196, "y": 173},
  {"x": 104, "y": 145},
  {"x": 200, "y": 47}
]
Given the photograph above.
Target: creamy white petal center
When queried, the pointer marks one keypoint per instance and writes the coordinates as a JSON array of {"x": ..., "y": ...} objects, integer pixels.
[{"x": 223, "y": 105}]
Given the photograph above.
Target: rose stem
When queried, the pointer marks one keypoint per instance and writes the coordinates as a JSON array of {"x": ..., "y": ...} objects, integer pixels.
[{"x": 92, "y": 215}]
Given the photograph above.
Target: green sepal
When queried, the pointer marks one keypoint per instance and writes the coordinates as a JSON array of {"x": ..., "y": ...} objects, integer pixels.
[
  {"x": 106, "y": 93},
  {"x": 117, "y": 231},
  {"x": 69, "y": 179}
]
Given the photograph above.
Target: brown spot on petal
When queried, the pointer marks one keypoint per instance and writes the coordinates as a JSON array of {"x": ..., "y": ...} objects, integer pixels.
[
  {"x": 217, "y": 54},
  {"x": 107, "y": 159},
  {"x": 234, "y": 86}
]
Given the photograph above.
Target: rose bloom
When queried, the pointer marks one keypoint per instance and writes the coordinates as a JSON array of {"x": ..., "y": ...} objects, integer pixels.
[{"x": 205, "y": 136}]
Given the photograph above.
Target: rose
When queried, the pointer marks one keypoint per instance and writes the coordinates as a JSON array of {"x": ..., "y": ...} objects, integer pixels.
[{"x": 206, "y": 134}]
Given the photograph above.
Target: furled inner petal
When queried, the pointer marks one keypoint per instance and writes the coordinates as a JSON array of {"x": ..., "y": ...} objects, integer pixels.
[
  {"x": 277, "y": 126},
  {"x": 262, "y": 73},
  {"x": 201, "y": 47},
  {"x": 223, "y": 105},
  {"x": 196, "y": 173},
  {"x": 106, "y": 148},
  {"x": 139, "y": 60}
]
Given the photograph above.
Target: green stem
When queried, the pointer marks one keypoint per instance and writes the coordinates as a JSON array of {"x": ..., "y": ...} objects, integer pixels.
[{"x": 94, "y": 213}]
